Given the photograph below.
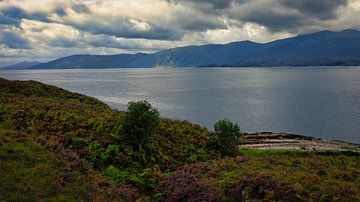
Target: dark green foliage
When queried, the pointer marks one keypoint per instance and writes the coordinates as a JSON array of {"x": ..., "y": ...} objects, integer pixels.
[
  {"x": 116, "y": 174},
  {"x": 140, "y": 122},
  {"x": 226, "y": 137},
  {"x": 142, "y": 179}
]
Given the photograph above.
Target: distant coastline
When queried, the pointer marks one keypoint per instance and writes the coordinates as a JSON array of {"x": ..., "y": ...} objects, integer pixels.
[{"x": 324, "y": 48}]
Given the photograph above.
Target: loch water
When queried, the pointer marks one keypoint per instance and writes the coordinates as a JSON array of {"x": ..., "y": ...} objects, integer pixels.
[{"x": 313, "y": 101}]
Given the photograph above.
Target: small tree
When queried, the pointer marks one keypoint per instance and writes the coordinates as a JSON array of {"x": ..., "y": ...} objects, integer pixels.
[
  {"x": 140, "y": 122},
  {"x": 227, "y": 136}
]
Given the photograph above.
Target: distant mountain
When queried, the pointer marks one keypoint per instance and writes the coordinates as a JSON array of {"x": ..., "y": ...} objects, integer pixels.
[
  {"x": 324, "y": 48},
  {"x": 22, "y": 65}
]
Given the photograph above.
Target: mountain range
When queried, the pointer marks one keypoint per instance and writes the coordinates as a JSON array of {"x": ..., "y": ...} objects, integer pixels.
[
  {"x": 22, "y": 65},
  {"x": 324, "y": 48}
]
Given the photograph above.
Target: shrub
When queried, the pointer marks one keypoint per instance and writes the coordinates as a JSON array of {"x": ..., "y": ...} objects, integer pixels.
[
  {"x": 110, "y": 155},
  {"x": 94, "y": 154},
  {"x": 140, "y": 122},
  {"x": 78, "y": 143},
  {"x": 226, "y": 137},
  {"x": 116, "y": 174},
  {"x": 144, "y": 180}
]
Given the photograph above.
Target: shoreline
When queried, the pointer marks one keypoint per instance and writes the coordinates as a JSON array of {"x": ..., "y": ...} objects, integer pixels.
[{"x": 284, "y": 141}]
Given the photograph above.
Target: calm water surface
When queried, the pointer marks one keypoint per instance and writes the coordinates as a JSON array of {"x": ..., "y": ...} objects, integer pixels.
[{"x": 310, "y": 101}]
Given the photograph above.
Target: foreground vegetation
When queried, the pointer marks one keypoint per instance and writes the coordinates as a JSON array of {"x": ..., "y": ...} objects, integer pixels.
[{"x": 58, "y": 145}]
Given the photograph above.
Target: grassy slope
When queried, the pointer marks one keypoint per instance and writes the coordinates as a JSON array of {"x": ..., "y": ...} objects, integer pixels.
[
  {"x": 28, "y": 172},
  {"x": 47, "y": 130},
  {"x": 276, "y": 175}
]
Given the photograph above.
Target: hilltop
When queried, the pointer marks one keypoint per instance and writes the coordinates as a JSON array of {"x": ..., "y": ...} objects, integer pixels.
[
  {"x": 22, "y": 65},
  {"x": 324, "y": 48},
  {"x": 59, "y": 145}
]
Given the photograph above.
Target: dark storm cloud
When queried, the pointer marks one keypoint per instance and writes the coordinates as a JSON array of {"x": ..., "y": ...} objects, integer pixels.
[
  {"x": 60, "y": 11},
  {"x": 206, "y": 15},
  {"x": 321, "y": 9},
  {"x": 195, "y": 21},
  {"x": 80, "y": 8},
  {"x": 13, "y": 40},
  {"x": 115, "y": 26},
  {"x": 19, "y": 13},
  {"x": 14, "y": 12},
  {"x": 126, "y": 28},
  {"x": 276, "y": 15},
  {"x": 270, "y": 14},
  {"x": 215, "y": 4},
  {"x": 5, "y": 20},
  {"x": 286, "y": 15},
  {"x": 277, "y": 22}
]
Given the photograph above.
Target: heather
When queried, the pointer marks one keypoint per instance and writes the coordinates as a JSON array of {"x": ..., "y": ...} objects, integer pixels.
[{"x": 58, "y": 145}]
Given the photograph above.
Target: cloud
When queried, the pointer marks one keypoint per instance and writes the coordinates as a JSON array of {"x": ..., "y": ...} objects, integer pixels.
[
  {"x": 275, "y": 15},
  {"x": 188, "y": 20},
  {"x": 17, "y": 13},
  {"x": 323, "y": 10},
  {"x": 268, "y": 14},
  {"x": 80, "y": 8},
  {"x": 158, "y": 20},
  {"x": 13, "y": 40},
  {"x": 55, "y": 28},
  {"x": 5, "y": 20},
  {"x": 173, "y": 19},
  {"x": 286, "y": 15},
  {"x": 94, "y": 21},
  {"x": 123, "y": 27},
  {"x": 60, "y": 11},
  {"x": 213, "y": 4}
]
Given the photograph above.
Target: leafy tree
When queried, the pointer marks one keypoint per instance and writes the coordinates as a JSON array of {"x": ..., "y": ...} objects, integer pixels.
[
  {"x": 226, "y": 137},
  {"x": 140, "y": 122}
]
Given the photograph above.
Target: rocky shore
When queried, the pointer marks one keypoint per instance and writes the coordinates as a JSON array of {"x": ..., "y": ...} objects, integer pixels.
[{"x": 269, "y": 140}]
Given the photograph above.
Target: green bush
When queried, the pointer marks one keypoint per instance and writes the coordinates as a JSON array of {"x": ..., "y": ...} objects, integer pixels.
[
  {"x": 116, "y": 174},
  {"x": 226, "y": 137},
  {"x": 78, "y": 143},
  {"x": 94, "y": 156},
  {"x": 139, "y": 123},
  {"x": 143, "y": 180}
]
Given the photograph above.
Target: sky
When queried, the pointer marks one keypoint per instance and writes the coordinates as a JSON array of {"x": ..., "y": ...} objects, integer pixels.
[{"x": 42, "y": 30}]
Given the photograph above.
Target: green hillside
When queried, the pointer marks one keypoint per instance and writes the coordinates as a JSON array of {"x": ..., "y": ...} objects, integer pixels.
[{"x": 61, "y": 146}]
